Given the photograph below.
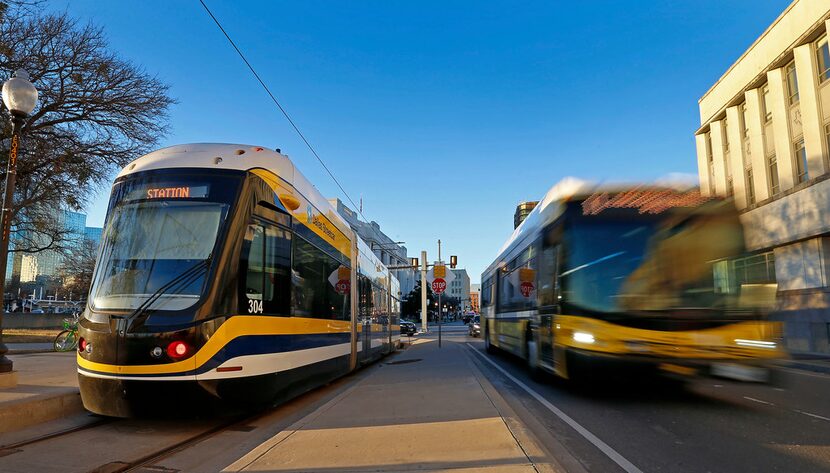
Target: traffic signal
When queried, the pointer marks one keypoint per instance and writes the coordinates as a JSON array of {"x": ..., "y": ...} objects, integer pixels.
[
  {"x": 453, "y": 261},
  {"x": 413, "y": 262}
]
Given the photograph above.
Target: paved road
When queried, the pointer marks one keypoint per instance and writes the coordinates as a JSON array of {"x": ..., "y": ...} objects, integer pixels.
[{"x": 706, "y": 426}]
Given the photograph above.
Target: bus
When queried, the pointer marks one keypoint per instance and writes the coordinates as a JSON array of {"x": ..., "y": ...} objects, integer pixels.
[{"x": 598, "y": 280}]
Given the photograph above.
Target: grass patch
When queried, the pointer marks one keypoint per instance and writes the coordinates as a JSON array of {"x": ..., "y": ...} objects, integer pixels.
[{"x": 30, "y": 335}]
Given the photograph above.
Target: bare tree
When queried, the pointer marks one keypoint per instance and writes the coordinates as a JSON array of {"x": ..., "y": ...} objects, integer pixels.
[
  {"x": 96, "y": 113},
  {"x": 76, "y": 271}
]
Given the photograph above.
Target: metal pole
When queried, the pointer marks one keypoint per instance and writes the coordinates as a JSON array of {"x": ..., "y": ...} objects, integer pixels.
[
  {"x": 424, "y": 291},
  {"x": 440, "y": 308},
  {"x": 6, "y": 365}
]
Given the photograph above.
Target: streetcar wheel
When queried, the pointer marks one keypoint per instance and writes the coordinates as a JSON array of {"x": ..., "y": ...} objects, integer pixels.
[{"x": 65, "y": 341}]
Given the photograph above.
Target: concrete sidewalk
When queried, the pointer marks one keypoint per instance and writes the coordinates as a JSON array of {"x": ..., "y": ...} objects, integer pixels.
[
  {"x": 47, "y": 388},
  {"x": 426, "y": 409}
]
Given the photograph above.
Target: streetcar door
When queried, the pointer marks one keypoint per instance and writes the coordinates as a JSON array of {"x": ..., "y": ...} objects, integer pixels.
[{"x": 365, "y": 319}]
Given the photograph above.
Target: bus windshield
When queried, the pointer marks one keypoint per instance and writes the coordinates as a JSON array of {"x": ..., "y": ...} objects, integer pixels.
[
  {"x": 648, "y": 264},
  {"x": 147, "y": 244}
]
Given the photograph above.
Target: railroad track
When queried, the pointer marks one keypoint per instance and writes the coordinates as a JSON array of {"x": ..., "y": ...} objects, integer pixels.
[
  {"x": 15, "y": 447},
  {"x": 240, "y": 423}
]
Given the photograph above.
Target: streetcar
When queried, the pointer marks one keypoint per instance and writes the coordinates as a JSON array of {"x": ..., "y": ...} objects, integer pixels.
[
  {"x": 224, "y": 274},
  {"x": 599, "y": 282}
]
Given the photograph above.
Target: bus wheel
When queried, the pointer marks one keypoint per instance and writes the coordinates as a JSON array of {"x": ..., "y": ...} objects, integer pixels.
[
  {"x": 488, "y": 347},
  {"x": 532, "y": 352}
]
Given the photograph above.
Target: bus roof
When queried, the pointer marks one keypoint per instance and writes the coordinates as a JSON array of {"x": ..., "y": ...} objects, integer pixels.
[{"x": 595, "y": 197}]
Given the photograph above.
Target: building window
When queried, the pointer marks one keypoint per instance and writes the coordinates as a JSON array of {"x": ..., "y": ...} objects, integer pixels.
[
  {"x": 772, "y": 167},
  {"x": 725, "y": 136},
  {"x": 730, "y": 187},
  {"x": 730, "y": 276},
  {"x": 823, "y": 59},
  {"x": 744, "y": 121},
  {"x": 765, "y": 103},
  {"x": 827, "y": 139},
  {"x": 801, "y": 174},
  {"x": 711, "y": 160},
  {"x": 750, "y": 187},
  {"x": 792, "y": 84}
]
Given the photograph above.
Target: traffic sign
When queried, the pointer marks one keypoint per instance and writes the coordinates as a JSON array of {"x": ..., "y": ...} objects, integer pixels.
[
  {"x": 439, "y": 270},
  {"x": 439, "y": 285},
  {"x": 343, "y": 286},
  {"x": 341, "y": 279}
]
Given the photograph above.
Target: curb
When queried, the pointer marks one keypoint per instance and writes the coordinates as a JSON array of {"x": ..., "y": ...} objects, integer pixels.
[
  {"x": 17, "y": 415},
  {"x": 815, "y": 368}
]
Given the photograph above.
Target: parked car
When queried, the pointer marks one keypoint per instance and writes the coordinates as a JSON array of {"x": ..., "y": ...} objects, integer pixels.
[
  {"x": 475, "y": 326},
  {"x": 408, "y": 328}
]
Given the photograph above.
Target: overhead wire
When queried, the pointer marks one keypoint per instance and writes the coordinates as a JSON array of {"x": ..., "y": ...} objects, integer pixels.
[{"x": 281, "y": 108}]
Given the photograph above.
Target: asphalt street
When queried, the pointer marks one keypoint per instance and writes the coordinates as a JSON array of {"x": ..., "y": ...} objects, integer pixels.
[{"x": 705, "y": 425}]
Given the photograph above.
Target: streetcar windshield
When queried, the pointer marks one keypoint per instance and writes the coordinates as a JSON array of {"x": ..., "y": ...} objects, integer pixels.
[
  {"x": 149, "y": 243},
  {"x": 635, "y": 265}
]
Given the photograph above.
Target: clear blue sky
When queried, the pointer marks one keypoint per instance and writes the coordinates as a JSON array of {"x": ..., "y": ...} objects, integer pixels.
[{"x": 443, "y": 115}]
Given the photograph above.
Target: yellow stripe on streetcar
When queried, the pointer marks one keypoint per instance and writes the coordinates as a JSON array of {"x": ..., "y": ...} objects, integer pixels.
[{"x": 234, "y": 327}]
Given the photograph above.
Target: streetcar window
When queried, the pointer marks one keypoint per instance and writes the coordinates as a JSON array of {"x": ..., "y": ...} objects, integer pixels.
[
  {"x": 265, "y": 262},
  {"x": 148, "y": 244},
  {"x": 317, "y": 288},
  {"x": 254, "y": 282}
]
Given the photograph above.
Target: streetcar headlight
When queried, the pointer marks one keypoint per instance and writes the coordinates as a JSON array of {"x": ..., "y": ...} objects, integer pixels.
[
  {"x": 755, "y": 343},
  {"x": 583, "y": 337}
]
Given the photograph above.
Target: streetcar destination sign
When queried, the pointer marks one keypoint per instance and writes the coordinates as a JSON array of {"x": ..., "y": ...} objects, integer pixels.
[{"x": 170, "y": 192}]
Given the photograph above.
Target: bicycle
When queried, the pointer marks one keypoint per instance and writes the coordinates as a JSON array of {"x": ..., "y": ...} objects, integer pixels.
[{"x": 67, "y": 340}]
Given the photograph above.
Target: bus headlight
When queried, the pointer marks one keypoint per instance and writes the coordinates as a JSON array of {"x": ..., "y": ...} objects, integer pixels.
[
  {"x": 755, "y": 343},
  {"x": 583, "y": 337}
]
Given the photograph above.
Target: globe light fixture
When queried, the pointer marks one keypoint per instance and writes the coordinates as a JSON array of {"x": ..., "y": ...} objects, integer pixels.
[{"x": 19, "y": 95}]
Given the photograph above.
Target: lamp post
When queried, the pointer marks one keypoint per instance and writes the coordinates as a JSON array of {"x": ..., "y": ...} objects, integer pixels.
[{"x": 20, "y": 98}]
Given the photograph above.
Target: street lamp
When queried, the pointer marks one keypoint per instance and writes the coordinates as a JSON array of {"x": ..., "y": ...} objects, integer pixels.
[{"x": 20, "y": 98}]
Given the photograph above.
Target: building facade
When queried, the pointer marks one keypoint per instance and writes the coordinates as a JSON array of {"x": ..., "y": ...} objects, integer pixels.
[
  {"x": 460, "y": 287},
  {"x": 22, "y": 267},
  {"x": 765, "y": 140},
  {"x": 93, "y": 234},
  {"x": 475, "y": 298},
  {"x": 522, "y": 211}
]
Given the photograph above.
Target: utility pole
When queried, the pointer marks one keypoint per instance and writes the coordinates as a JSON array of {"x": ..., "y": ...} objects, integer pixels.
[
  {"x": 424, "y": 291},
  {"x": 440, "y": 308}
]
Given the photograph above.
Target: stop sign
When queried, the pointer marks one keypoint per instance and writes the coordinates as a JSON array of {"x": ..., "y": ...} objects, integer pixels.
[
  {"x": 343, "y": 286},
  {"x": 439, "y": 285}
]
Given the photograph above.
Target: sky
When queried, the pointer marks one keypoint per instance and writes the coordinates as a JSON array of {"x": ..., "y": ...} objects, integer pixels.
[{"x": 441, "y": 115}]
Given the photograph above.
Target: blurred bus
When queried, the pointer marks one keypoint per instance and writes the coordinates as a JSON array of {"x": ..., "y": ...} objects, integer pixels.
[{"x": 600, "y": 279}]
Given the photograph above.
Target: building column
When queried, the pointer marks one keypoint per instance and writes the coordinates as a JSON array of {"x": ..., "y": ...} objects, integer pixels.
[
  {"x": 737, "y": 158},
  {"x": 781, "y": 128},
  {"x": 806, "y": 69},
  {"x": 702, "y": 163},
  {"x": 755, "y": 125},
  {"x": 716, "y": 137}
]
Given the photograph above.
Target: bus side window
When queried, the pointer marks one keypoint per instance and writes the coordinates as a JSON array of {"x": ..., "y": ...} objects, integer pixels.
[{"x": 548, "y": 277}]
